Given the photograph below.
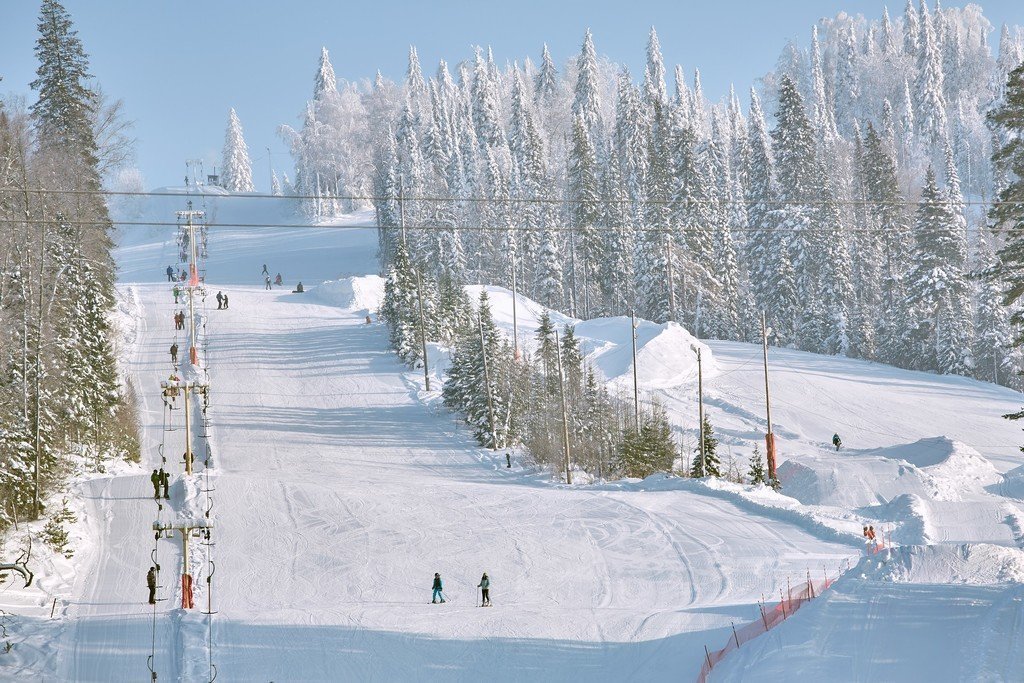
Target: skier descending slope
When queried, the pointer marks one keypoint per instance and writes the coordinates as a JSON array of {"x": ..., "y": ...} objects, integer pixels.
[
  {"x": 438, "y": 588},
  {"x": 837, "y": 442}
]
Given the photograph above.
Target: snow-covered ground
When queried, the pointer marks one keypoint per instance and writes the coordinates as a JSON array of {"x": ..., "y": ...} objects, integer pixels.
[{"x": 341, "y": 487}]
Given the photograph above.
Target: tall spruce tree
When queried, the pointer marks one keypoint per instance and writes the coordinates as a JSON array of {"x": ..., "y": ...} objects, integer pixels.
[{"x": 236, "y": 169}]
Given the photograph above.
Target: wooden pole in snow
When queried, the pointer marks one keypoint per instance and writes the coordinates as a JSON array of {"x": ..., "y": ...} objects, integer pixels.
[
  {"x": 423, "y": 333},
  {"x": 565, "y": 413},
  {"x": 487, "y": 382}
]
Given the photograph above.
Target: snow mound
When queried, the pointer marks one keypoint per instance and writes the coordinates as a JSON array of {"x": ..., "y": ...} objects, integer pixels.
[
  {"x": 665, "y": 353},
  {"x": 1013, "y": 484},
  {"x": 364, "y": 292},
  {"x": 938, "y": 468},
  {"x": 968, "y": 563}
]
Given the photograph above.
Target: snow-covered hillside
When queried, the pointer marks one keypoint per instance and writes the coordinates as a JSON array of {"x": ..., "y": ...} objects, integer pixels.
[{"x": 341, "y": 487}]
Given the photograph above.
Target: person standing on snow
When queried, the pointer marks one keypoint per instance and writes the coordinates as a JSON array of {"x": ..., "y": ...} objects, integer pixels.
[
  {"x": 155, "y": 478},
  {"x": 225, "y": 301},
  {"x": 164, "y": 481},
  {"x": 438, "y": 587},
  {"x": 220, "y": 301},
  {"x": 266, "y": 281},
  {"x": 485, "y": 591},
  {"x": 836, "y": 441},
  {"x": 170, "y": 274},
  {"x": 174, "y": 353},
  {"x": 177, "y": 293},
  {"x": 151, "y": 584}
]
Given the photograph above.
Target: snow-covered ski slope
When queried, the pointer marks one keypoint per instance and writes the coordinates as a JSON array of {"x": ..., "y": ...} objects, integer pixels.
[{"x": 341, "y": 487}]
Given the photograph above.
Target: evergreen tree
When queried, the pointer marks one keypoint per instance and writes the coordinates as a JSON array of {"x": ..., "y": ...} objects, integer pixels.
[
  {"x": 654, "y": 76},
  {"x": 757, "y": 473},
  {"x": 466, "y": 388},
  {"x": 649, "y": 450},
  {"x": 708, "y": 465},
  {"x": 993, "y": 341},
  {"x": 931, "y": 103},
  {"x": 545, "y": 86},
  {"x": 584, "y": 206},
  {"x": 771, "y": 271},
  {"x": 587, "y": 98},
  {"x": 236, "y": 169},
  {"x": 940, "y": 336},
  {"x": 795, "y": 166},
  {"x": 64, "y": 111},
  {"x": 325, "y": 83}
]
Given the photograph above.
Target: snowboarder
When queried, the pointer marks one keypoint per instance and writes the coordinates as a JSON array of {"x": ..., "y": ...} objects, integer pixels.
[
  {"x": 278, "y": 281},
  {"x": 225, "y": 301},
  {"x": 174, "y": 353},
  {"x": 151, "y": 583},
  {"x": 165, "y": 481},
  {"x": 266, "y": 281},
  {"x": 170, "y": 274},
  {"x": 220, "y": 301},
  {"x": 265, "y": 271},
  {"x": 485, "y": 591},
  {"x": 836, "y": 441},
  {"x": 155, "y": 478},
  {"x": 298, "y": 289},
  {"x": 508, "y": 460},
  {"x": 438, "y": 587},
  {"x": 177, "y": 293}
]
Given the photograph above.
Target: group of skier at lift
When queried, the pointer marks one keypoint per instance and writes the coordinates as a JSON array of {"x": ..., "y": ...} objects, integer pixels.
[{"x": 484, "y": 586}]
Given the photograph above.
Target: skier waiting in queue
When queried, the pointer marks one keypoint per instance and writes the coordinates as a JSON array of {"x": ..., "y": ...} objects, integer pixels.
[
  {"x": 177, "y": 293},
  {"x": 485, "y": 591},
  {"x": 438, "y": 587},
  {"x": 165, "y": 480},
  {"x": 170, "y": 274},
  {"x": 151, "y": 584},
  {"x": 837, "y": 442},
  {"x": 155, "y": 478},
  {"x": 174, "y": 353}
]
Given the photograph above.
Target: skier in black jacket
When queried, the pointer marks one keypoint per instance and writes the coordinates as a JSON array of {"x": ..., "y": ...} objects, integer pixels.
[
  {"x": 151, "y": 583},
  {"x": 485, "y": 591},
  {"x": 438, "y": 587},
  {"x": 155, "y": 478}
]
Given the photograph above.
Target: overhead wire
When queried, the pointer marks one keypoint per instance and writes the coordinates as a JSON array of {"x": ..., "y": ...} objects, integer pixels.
[
  {"x": 481, "y": 228},
  {"x": 503, "y": 200}
]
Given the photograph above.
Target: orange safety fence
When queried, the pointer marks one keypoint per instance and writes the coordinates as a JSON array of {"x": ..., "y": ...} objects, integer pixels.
[{"x": 771, "y": 616}]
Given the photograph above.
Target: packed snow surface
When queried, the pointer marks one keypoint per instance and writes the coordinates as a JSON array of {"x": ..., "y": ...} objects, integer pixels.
[{"x": 340, "y": 486}]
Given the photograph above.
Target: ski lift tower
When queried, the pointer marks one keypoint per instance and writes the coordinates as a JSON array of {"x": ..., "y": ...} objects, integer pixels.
[
  {"x": 196, "y": 528},
  {"x": 189, "y": 227}
]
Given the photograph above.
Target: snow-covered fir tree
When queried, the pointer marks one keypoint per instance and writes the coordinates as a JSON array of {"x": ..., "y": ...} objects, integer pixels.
[{"x": 235, "y": 167}]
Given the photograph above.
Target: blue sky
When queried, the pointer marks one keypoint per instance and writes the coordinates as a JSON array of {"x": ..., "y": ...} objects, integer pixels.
[{"x": 179, "y": 66}]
